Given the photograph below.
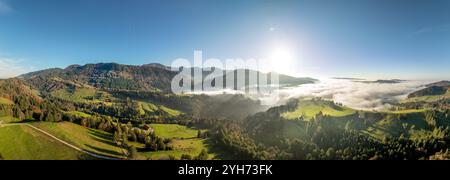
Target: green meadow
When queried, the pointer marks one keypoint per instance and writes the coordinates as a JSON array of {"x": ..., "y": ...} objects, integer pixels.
[
  {"x": 95, "y": 141},
  {"x": 310, "y": 108},
  {"x": 24, "y": 143}
]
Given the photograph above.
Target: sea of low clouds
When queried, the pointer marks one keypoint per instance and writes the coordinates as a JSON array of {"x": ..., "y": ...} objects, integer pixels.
[{"x": 358, "y": 95}]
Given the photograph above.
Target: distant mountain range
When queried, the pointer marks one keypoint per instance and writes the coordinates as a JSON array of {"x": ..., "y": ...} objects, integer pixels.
[
  {"x": 112, "y": 76},
  {"x": 384, "y": 81}
]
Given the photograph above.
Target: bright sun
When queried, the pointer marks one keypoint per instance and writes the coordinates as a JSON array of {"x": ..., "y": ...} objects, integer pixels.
[{"x": 281, "y": 60}]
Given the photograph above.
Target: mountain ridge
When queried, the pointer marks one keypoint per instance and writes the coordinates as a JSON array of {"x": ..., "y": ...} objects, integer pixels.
[
  {"x": 114, "y": 76},
  {"x": 433, "y": 89}
]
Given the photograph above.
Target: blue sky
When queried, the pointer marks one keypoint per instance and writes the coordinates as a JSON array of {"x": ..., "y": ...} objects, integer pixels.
[{"x": 407, "y": 39}]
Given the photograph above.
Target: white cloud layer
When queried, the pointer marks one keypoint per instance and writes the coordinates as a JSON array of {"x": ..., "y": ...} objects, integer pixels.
[{"x": 359, "y": 95}]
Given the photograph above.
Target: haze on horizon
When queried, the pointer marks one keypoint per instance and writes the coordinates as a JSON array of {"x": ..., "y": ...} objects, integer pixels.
[{"x": 376, "y": 39}]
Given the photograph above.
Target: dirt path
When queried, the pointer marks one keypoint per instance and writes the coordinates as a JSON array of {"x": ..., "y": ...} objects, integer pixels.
[{"x": 62, "y": 141}]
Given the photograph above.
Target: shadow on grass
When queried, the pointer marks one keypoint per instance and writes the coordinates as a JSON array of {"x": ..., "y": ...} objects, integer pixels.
[
  {"x": 83, "y": 156},
  {"x": 101, "y": 137},
  {"x": 99, "y": 134},
  {"x": 102, "y": 150},
  {"x": 105, "y": 141}
]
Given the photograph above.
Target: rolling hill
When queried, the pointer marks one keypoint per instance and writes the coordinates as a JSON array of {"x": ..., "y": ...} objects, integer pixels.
[{"x": 434, "y": 89}]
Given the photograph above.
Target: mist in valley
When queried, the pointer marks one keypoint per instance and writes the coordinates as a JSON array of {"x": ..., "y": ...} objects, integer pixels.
[{"x": 357, "y": 94}]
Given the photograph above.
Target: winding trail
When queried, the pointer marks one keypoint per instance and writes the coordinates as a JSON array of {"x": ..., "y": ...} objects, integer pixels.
[{"x": 62, "y": 141}]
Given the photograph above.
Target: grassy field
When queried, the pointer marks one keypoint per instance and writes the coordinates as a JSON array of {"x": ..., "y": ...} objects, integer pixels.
[
  {"x": 310, "y": 108},
  {"x": 24, "y": 143},
  {"x": 91, "y": 140},
  {"x": 149, "y": 108},
  {"x": 174, "y": 131}
]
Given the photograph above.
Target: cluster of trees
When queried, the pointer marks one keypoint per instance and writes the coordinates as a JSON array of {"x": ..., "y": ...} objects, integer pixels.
[
  {"x": 155, "y": 143},
  {"x": 202, "y": 156},
  {"x": 233, "y": 139},
  {"x": 124, "y": 133},
  {"x": 438, "y": 118}
]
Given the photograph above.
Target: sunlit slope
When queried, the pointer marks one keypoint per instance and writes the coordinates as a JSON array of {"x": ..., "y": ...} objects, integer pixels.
[
  {"x": 23, "y": 143},
  {"x": 91, "y": 140},
  {"x": 82, "y": 95},
  {"x": 431, "y": 93},
  {"x": 308, "y": 109}
]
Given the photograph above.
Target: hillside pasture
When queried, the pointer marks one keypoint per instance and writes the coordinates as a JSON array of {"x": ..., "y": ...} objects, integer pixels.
[
  {"x": 92, "y": 140},
  {"x": 23, "y": 143},
  {"x": 310, "y": 108}
]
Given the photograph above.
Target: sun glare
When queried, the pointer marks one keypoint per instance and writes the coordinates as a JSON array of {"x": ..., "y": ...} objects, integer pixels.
[{"x": 281, "y": 60}]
